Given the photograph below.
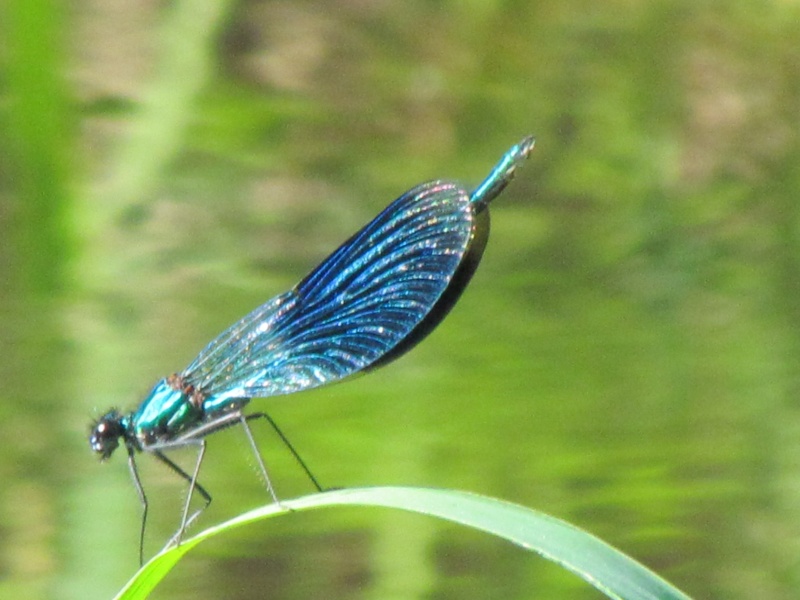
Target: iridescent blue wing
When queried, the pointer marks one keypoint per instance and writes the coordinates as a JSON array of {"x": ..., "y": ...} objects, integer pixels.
[
  {"x": 373, "y": 299},
  {"x": 355, "y": 309}
]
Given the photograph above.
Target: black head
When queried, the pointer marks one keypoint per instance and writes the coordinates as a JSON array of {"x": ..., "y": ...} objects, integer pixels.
[{"x": 106, "y": 432}]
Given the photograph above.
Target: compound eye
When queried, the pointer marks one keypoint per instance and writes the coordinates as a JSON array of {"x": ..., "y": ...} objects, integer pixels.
[{"x": 105, "y": 435}]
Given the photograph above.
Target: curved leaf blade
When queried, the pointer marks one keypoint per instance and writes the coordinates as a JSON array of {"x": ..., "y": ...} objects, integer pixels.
[{"x": 606, "y": 568}]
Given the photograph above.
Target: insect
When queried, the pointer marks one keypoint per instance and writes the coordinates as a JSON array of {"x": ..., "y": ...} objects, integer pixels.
[{"x": 377, "y": 296}]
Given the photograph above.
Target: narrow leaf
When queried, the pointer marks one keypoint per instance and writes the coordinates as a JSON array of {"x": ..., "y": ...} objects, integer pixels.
[{"x": 610, "y": 571}]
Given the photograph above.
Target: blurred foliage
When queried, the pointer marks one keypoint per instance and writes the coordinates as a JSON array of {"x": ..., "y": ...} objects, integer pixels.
[{"x": 627, "y": 356}]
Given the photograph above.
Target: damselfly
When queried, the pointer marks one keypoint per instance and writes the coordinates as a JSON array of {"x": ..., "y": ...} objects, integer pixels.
[{"x": 377, "y": 296}]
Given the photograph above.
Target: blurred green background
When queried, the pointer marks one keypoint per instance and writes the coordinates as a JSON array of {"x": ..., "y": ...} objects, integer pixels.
[{"x": 627, "y": 357}]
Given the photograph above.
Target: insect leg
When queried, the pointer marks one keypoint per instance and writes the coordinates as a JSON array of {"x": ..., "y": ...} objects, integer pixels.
[
  {"x": 288, "y": 445},
  {"x": 142, "y": 498},
  {"x": 187, "y": 520},
  {"x": 243, "y": 419}
]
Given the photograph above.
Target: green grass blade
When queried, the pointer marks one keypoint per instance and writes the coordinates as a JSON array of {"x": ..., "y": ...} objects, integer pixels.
[{"x": 613, "y": 573}]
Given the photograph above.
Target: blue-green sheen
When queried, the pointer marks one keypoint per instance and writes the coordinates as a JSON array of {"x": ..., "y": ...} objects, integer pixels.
[
  {"x": 361, "y": 303},
  {"x": 378, "y": 295}
]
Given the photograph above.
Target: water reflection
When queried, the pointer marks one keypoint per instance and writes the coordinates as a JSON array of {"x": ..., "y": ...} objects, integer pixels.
[{"x": 625, "y": 357}]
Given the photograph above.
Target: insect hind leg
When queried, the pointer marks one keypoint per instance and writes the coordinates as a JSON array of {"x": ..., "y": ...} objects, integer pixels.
[{"x": 287, "y": 443}]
